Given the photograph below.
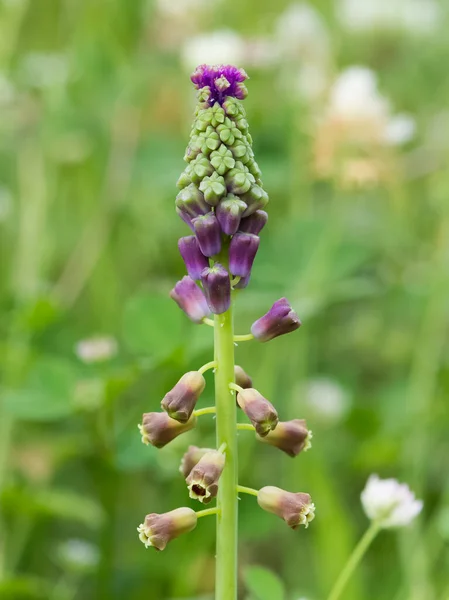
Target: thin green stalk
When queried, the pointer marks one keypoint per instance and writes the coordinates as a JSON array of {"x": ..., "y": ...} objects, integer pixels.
[
  {"x": 226, "y": 561},
  {"x": 354, "y": 560},
  {"x": 247, "y": 490}
]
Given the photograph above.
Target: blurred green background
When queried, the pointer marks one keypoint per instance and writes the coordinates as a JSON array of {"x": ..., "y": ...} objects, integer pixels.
[{"x": 348, "y": 108}]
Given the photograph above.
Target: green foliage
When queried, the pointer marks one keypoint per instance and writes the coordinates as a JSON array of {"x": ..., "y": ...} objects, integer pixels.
[
  {"x": 91, "y": 146},
  {"x": 263, "y": 584}
]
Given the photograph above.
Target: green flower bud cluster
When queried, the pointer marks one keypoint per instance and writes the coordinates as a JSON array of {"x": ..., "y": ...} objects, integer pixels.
[{"x": 220, "y": 146}]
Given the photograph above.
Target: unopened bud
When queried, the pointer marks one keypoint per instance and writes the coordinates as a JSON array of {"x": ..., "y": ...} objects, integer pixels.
[
  {"x": 181, "y": 400},
  {"x": 292, "y": 437},
  {"x": 191, "y": 201},
  {"x": 203, "y": 478},
  {"x": 259, "y": 410},
  {"x": 256, "y": 198},
  {"x": 194, "y": 259},
  {"x": 242, "y": 252},
  {"x": 217, "y": 288},
  {"x": 158, "y": 429},
  {"x": 280, "y": 319},
  {"x": 190, "y": 298},
  {"x": 242, "y": 378},
  {"x": 208, "y": 234},
  {"x": 191, "y": 458},
  {"x": 157, "y": 530},
  {"x": 254, "y": 223},
  {"x": 229, "y": 213},
  {"x": 296, "y": 509}
]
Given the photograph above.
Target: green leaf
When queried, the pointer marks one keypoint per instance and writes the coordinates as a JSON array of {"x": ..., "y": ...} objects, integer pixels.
[
  {"x": 152, "y": 325},
  {"x": 264, "y": 584},
  {"x": 47, "y": 394}
]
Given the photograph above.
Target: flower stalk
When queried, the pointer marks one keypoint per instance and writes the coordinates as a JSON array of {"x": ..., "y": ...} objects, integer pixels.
[
  {"x": 220, "y": 200},
  {"x": 226, "y": 416}
]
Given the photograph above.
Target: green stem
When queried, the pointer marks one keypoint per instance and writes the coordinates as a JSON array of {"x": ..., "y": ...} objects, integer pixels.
[
  {"x": 245, "y": 427},
  {"x": 234, "y": 386},
  {"x": 246, "y": 337},
  {"x": 354, "y": 560},
  {"x": 207, "y": 366},
  {"x": 209, "y": 322},
  {"x": 226, "y": 561},
  {"x": 207, "y": 511},
  {"x": 210, "y": 410},
  {"x": 247, "y": 490}
]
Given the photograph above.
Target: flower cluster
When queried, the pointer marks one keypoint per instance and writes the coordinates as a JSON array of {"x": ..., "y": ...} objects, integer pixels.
[{"x": 222, "y": 200}]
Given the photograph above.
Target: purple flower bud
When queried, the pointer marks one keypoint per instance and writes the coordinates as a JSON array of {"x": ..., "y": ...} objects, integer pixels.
[
  {"x": 242, "y": 283},
  {"x": 185, "y": 217},
  {"x": 181, "y": 400},
  {"x": 208, "y": 234},
  {"x": 229, "y": 213},
  {"x": 191, "y": 458},
  {"x": 296, "y": 509},
  {"x": 255, "y": 198},
  {"x": 222, "y": 80},
  {"x": 254, "y": 223},
  {"x": 217, "y": 288},
  {"x": 158, "y": 429},
  {"x": 280, "y": 319},
  {"x": 194, "y": 259},
  {"x": 158, "y": 530},
  {"x": 242, "y": 252},
  {"x": 259, "y": 410},
  {"x": 191, "y": 201},
  {"x": 203, "y": 479},
  {"x": 189, "y": 297},
  {"x": 292, "y": 437},
  {"x": 242, "y": 378}
]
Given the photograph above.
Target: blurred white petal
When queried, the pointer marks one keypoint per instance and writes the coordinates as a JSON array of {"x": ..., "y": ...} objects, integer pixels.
[{"x": 391, "y": 503}]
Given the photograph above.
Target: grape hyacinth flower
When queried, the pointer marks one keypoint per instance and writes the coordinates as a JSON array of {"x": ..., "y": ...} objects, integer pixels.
[
  {"x": 181, "y": 400},
  {"x": 192, "y": 256},
  {"x": 221, "y": 199},
  {"x": 190, "y": 298},
  {"x": 279, "y": 320},
  {"x": 295, "y": 509},
  {"x": 158, "y": 530},
  {"x": 292, "y": 437}
]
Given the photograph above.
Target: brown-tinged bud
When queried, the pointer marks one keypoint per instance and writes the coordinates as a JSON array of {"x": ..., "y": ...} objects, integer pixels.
[
  {"x": 157, "y": 530},
  {"x": 242, "y": 378},
  {"x": 203, "y": 478},
  {"x": 181, "y": 400},
  {"x": 296, "y": 509},
  {"x": 158, "y": 429},
  {"x": 259, "y": 410},
  {"x": 292, "y": 437},
  {"x": 191, "y": 458}
]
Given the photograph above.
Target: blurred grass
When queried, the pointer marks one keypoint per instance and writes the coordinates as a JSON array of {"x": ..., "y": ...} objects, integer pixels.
[{"x": 90, "y": 150}]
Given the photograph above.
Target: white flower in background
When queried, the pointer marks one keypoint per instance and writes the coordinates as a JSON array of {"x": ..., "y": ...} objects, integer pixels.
[
  {"x": 354, "y": 95},
  {"x": 44, "y": 70},
  {"x": 96, "y": 349},
  {"x": 79, "y": 553},
  {"x": 223, "y": 46},
  {"x": 181, "y": 8},
  {"x": 413, "y": 16},
  {"x": 389, "y": 502},
  {"x": 5, "y": 203},
  {"x": 326, "y": 399},
  {"x": 356, "y": 101},
  {"x": 400, "y": 129},
  {"x": 302, "y": 34},
  {"x": 7, "y": 90},
  {"x": 312, "y": 82}
]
